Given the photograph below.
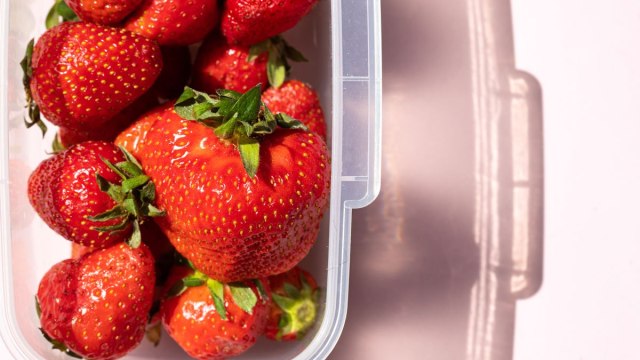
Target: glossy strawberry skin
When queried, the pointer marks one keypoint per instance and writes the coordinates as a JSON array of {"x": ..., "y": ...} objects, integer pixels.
[
  {"x": 249, "y": 22},
  {"x": 63, "y": 190},
  {"x": 97, "y": 305},
  {"x": 112, "y": 127},
  {"x": 230, "y": 226},
  {"x": 222, "y": 66},
  {"x": 277, "y": 285},
  {"x": 174, "y": 22},
  {"x": 104, "y": 12},
  {"x": 192, "y": 321},
  {"x": 84, "y": 74},
  {"x": 299, "y": 101}
]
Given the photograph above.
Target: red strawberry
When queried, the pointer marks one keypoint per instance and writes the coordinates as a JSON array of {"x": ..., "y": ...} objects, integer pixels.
[
  {"x": 295, "y": 305},
  {"x": 97, "y": 306},
  {"x": 83, "y": 74},
  {"x": 174, "y": 22},
  {"x": 300, "y": 101},
  {"x": 236, "y": 217},
  {"x": 175, "y": 74},
  {"x": 222, "y": 66},
  {"x": 86, "y": 200},
  {"x": 249, "y": 22},
  {"x": 105, "y": 12},
  {"x": 110, "y": 129},
  {"x": 212, "y": 320}
]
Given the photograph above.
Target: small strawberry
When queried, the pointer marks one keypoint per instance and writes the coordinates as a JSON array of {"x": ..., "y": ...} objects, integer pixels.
[
  {"x": 295, "y": 305},
  {"x": 110, "y": 129},
  {"x": 93, "y": 194},
  {"x": 174, "y": 22},
  {"x": 222, "y": 66},
  {"x": 104, "y": 12},
  {"x": 212, "y": 320},
  {"x": 80, "y": 75},
  {"x": 300, "y": 101},
  {"x": 96, "y": 306},
  {"x": 243, "y": 194},
  {"x": 249, "y": 22}
]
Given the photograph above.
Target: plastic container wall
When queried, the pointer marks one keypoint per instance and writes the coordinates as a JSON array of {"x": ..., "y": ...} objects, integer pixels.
[{"x": 342, "y": 40}]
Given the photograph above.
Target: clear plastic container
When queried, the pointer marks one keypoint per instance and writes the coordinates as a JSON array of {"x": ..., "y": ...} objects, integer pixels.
[{"x": 342, "y": 41}]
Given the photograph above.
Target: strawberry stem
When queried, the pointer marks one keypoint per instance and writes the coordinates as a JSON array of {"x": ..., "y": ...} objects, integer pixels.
[{"x": 279, "y": 54}]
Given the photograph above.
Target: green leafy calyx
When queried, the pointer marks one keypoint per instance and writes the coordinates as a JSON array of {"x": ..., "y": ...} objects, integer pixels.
[
  {"x": 242, "y": 294},
  {"x": 241, "y": 118},
  {"x": 134, "y": 198},
  {"x": 299, "y": 309},
  {"x": 55, "y": 344},
  {"x": 33, "y": 110},
  {"x": 279, "y": 54}
]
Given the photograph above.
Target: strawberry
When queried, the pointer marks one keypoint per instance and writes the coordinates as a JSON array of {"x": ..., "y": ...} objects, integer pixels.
[
  {"x": 83, "y": 74},
  {"x": 109, "y": 130},
  {"x": 212, "y": 320},
  {"x": 96, "y": 306},
  {"x": 222, "y": 66},
  {"x": 87, "y": 199},
  {"x": 104, "y": 12},
  {"x": 249, "y": 22},
  {"x": 174, "y": 22},
  {"x": 175, "y": 73},
  {"x": 295, "y": 305},
  {"x": 300, "y": 101},
  {"x": 244, "y": 200}
]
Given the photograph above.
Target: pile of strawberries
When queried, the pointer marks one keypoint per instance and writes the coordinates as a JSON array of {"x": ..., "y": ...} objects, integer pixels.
[{"x": 190, "y": 192}]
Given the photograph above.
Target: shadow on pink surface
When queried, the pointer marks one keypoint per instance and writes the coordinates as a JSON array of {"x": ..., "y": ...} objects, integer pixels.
[{"x": 439, "y": 260}]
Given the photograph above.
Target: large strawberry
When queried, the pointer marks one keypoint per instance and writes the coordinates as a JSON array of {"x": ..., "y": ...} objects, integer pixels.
[
  {"x": 93, "y": 194},
  {"x": 295, "y": 305},
  {"x": 243, "y": 200},
  {"x": 174, "y": 22},
  {"x": 212, "y": 320},
  {"x": 80, "y": 75},
  {"x": 300, "y": 101},
  {"x": 249, "y": 22},
  {"x": 105, "y": 12},
  {"x": 97, "y": 306}
]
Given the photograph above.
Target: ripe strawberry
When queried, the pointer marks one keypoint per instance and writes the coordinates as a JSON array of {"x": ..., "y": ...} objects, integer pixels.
[
  {"x": 174, "y": 22},
  {"x": 111, "y": 128},
  {"x": 295, "y": 305},
  {"x": 87, "y": 199},
  {"x": 222, "y": 66},
  {"x": 300, "y": 101},
  {"x": 175, "y": 73},
  {"x": 244, "y": 200},
  {"x": 212, "y": 320},
  {"x": 83, "y": 74},
  {"x": 104, "y": 12},
  {"x": 96, "y": 306},
  {"x": 249, "y": 22}
]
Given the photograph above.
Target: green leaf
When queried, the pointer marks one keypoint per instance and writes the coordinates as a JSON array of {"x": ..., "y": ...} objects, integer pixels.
[
  {"x": 226, "y": 130},
  {"x": 293, "y": 54},
  {"x": 131, "y": 206},
  {"x": 291, "y": 290},
  {"x": 114, "y": 168},
  {"x": 276, "y": 69},
  {"x": 116, "y": 212},
  {"x": 130, "y": 158},
  {"x": 287, "y": 122},
  {"x": 247, "y": 128},
  {"x": 135, "y": 182},
  {"x": 248, "y": 105},
  {"x": 59, "y": 12},
  {"x": 58, "y": 345},
  {"x": 177, "y": 289},
  {"x": 38, "y": 308},
  {"x": 258, "y": 49},
  {"x": 114, "y": 191},
  {"x": 261, "y": 291},
  {"x": 65, "y": 11},
  {"x": 192, "y": 281},
  {"x": 263, "y": 128},
  {"x": 216, "y": 289},
  {"x": 250, "y": 154},
  {"x": 152, "y": 211},
  {"x": 118, "y": 227},
  {"x": 136, "y": 236},
  {"x": 243, "y": 296},
  {"x": 154, "y": 334},
  {"x": 234, "y": 95},
  {"x": 25, "y": 64},
  {"x": 53, "y": 18},
  {"x": 283, "y": 302},
  {"x": 56, "y": 145},
  {"x": 148, "y": 192}
]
